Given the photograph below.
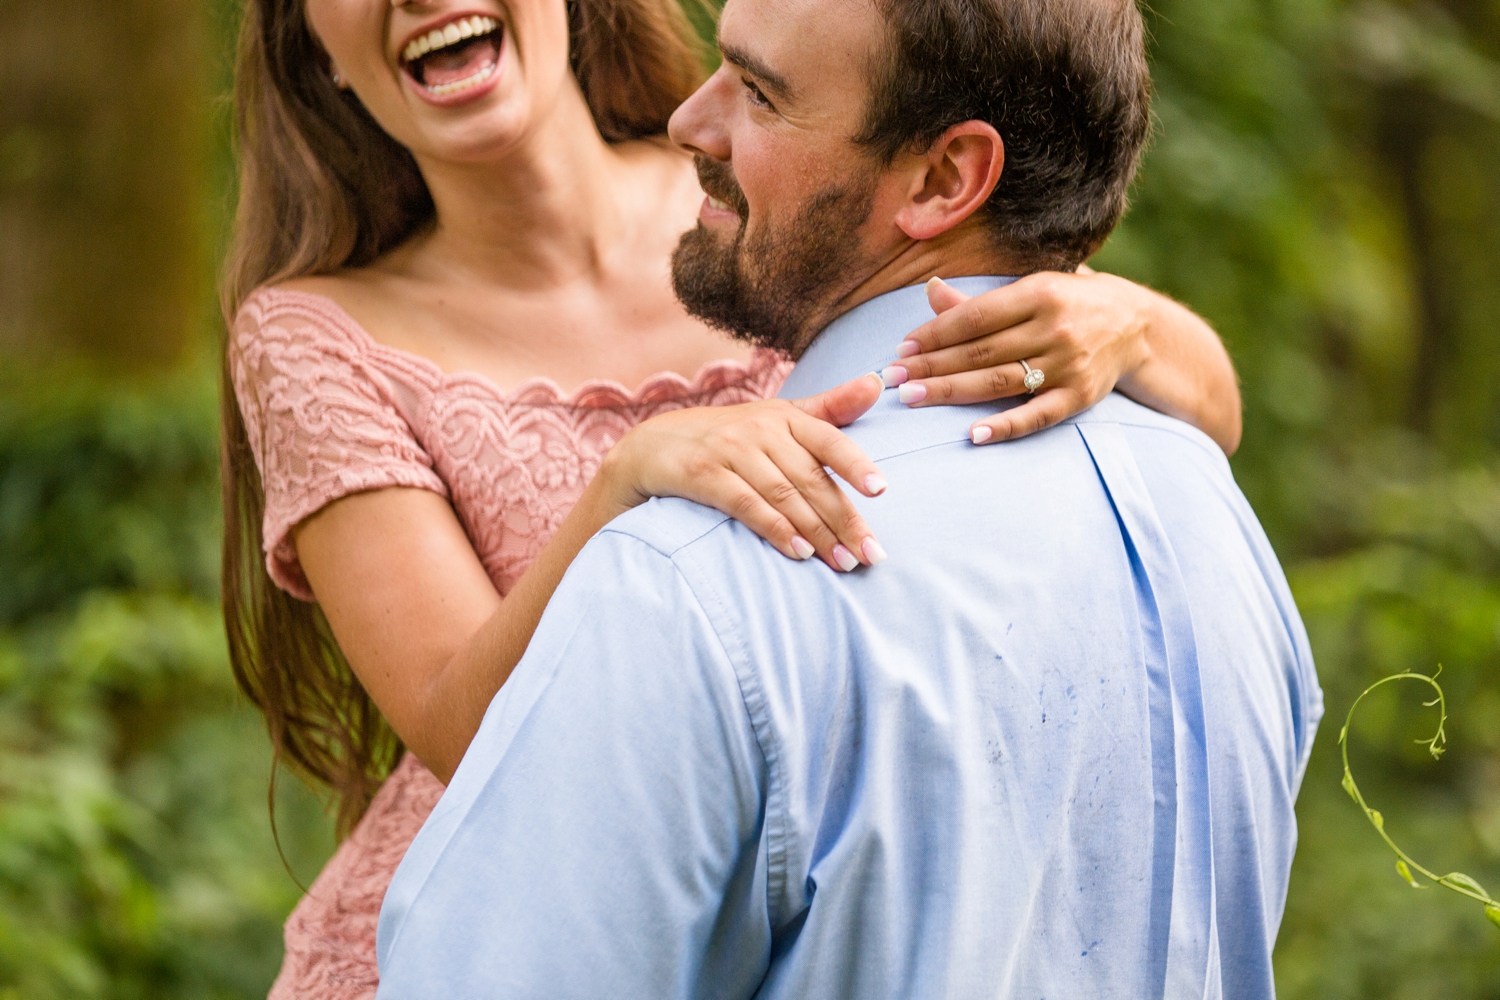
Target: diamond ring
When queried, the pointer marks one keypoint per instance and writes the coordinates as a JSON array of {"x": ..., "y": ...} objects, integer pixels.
[{"x": 1034, "y": 378}]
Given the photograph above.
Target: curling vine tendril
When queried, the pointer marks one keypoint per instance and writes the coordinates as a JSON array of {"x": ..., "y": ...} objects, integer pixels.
[{"x": 1405, "y": 864}]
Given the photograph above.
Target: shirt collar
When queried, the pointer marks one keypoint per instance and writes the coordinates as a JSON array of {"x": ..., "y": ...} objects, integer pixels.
[{"x": 865, "y": 338}]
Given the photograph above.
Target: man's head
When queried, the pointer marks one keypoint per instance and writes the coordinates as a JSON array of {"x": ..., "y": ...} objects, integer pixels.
[{"x": 859, "y": 145}]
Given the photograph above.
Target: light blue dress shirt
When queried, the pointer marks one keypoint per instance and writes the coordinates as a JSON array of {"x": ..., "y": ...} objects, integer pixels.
[{"x": 1049, "y": 750}]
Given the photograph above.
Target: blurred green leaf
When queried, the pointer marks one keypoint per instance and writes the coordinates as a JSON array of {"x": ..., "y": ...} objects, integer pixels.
[{"x": 135, "y": 850}]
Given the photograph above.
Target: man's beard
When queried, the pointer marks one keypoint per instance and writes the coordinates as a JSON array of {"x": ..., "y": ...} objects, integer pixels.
[{"x": 770, "y": 288}]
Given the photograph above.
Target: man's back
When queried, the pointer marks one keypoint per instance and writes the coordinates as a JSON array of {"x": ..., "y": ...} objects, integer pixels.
[{"x": 1050, "y": 748}]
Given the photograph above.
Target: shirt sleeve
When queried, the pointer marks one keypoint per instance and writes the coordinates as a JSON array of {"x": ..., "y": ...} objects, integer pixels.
[
  {"x": 602, "y": 836},
  {"x": 322, "y": 423}
]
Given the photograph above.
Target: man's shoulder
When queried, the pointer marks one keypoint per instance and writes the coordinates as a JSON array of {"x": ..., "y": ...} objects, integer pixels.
[
  {"x": 704, "y": 550},
  {"x": 666, "y": 524},
  {"x": 1123, "y": 411}
]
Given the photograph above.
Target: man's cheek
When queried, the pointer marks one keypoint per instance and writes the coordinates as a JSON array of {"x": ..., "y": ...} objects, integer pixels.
[
  {"x": 770, "y": 166},
  {"x": 773, "y": 190},
  {"x": 756, "y": 182}
]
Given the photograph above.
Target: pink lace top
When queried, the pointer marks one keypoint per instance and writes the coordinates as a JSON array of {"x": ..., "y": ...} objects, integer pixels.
[{"x": 329, "y": 412}]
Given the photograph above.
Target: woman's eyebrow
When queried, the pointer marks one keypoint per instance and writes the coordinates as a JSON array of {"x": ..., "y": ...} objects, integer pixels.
[{"x": 756, "y": 67}]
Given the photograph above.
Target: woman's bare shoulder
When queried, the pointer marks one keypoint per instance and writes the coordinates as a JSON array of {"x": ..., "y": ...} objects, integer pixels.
[
  {"x": 361, "y": 296},
  {"x": 321, "y": 314},
  {"x": 349, "y": 290}
]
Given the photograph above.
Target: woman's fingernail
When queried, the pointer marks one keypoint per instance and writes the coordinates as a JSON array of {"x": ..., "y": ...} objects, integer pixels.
[
  {"x": 874, "y": 553},
  {"x": 802, "y": 547},
  {"x": 908, "y": 348},
  {"x": 912, "y": 392},
  {"x": 935, "y": 280},
  {"x": 845, "y": 559},
  {"x": 894, "y": 376},
  {"x": 981, "y": 434},
  {"x": 875, "y": 484}
]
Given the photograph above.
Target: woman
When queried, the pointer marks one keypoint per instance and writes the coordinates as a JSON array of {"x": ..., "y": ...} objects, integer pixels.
[{"x": 448, "y": 211}]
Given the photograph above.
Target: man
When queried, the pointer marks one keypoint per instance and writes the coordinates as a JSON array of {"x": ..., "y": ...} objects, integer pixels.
[{"x": 1050, "y": 748}]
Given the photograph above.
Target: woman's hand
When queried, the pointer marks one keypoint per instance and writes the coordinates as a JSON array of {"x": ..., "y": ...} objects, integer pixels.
[
  {"x": 1089, "y": 334},
  {"x": 763, "y": 464},
  {"x": 434, "y": 642}
]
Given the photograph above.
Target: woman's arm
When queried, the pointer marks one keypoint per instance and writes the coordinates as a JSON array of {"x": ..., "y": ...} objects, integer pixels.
[
  {"x": 432, "y": 641},
  {"x": 1089, "y": 333}
]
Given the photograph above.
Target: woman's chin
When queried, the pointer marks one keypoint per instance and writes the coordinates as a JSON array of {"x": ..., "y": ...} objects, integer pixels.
[
  {"x": 490, "y": 137},
  {"x": 472, "y": 125}
]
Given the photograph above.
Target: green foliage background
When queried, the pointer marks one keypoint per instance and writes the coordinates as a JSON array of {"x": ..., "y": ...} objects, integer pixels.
[{"x": 1322, "y": 187}]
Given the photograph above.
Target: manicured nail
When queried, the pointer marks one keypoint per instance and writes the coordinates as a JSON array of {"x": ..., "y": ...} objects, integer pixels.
[
  {"x": 981, "y": 434},
  {"x": 845, "y": 559},
  {"x": 875, "y": 484},
  {"x": 911, "y": 392},
  {"x": 935, "y": 280},
  {"x": 894, "y": 376},
  {"x": 802, "y": 547},
  {"x": 908, "y": 348},
  {"x": 874, "y": 553}
]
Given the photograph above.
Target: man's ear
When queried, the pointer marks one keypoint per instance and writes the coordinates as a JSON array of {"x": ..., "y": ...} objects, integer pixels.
[{"x": 952, "y": 180}]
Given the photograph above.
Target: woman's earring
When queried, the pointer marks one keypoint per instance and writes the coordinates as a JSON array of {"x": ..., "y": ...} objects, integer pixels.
[{"x": 338, "y": 78}]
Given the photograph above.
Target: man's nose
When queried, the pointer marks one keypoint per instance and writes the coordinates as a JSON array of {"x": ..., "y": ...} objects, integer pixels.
[{"x": 700, "y": 124}]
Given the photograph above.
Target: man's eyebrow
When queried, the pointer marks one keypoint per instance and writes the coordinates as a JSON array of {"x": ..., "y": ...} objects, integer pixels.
[{"x": 756, "y": 67}]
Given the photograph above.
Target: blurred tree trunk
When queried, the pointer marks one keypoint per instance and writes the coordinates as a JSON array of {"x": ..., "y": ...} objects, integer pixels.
[
  {"x": 104, "y": 114},
  {"x": 1435, "y": 117},
  {"x": 1405, "y": 132}
]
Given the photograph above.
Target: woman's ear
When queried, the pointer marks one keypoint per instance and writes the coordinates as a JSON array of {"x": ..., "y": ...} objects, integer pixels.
[{"x": 953, "y": 180}]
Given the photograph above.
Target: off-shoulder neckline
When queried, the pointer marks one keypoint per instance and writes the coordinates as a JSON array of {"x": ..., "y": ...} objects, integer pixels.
[{"x": 538, "y": 390}]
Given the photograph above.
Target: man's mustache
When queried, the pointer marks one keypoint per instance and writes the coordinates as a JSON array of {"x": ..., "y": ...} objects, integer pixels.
[{"x": 717, "y": 180}]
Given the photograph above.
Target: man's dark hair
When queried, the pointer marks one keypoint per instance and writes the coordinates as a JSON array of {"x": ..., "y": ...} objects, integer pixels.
[{"x": 1064, "y": 82}]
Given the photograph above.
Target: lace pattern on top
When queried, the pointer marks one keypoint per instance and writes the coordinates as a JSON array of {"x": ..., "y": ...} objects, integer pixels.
[
  {"x": 322, "y": 422},
  {"x": 329, "y": 412}
]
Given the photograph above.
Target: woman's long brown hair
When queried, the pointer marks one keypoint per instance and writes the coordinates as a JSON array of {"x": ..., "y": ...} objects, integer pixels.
[{"x": 321, "y": 188}]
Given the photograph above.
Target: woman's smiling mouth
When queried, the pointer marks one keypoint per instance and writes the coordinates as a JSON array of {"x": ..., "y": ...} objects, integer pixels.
[{"x": 451, "y": 62}]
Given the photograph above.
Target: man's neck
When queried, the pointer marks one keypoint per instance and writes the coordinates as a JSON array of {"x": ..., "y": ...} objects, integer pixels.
[
  {"x": 964, "y": 251},
  {"x": 865, "y": 339}
]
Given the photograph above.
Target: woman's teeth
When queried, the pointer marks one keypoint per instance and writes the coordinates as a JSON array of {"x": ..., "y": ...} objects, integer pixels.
[
  {"x": 716, "y": 203},
  {"x": 443, "y": 89},
  {"x": 449, "y": 34}
]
